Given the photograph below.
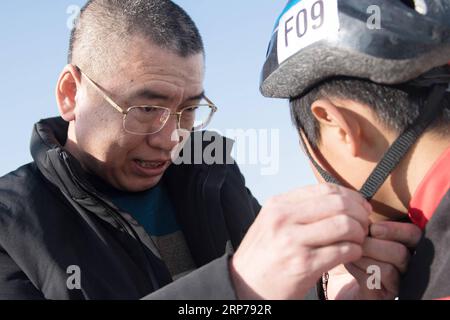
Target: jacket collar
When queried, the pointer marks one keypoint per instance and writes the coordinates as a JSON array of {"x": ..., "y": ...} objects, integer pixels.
[{"x": 48, "y": 153}]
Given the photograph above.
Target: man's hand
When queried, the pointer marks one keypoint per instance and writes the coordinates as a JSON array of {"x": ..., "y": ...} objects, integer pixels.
[
  {"x": 295, "y": 238},
  {"x": 387, "y": 249}
]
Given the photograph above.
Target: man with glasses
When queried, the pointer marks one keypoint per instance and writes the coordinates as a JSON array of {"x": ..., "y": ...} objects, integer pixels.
[
  {"x": 91, "y": 217},
  {"x": 102, "y": 213}
]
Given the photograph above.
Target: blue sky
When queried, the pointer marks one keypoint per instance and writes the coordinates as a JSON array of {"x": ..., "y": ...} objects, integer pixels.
[{"x": 34, "y": 40}]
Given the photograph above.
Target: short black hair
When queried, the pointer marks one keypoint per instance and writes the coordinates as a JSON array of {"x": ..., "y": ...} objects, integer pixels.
[
  {"x": 396, "y": 107},
  {"x": 103, "y": 24}
]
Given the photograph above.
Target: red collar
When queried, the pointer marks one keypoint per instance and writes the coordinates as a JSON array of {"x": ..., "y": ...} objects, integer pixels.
[{"x": 430, "y": 191}]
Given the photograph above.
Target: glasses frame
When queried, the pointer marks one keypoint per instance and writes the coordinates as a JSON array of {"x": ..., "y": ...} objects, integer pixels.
[{"x": 178, "y": 114}]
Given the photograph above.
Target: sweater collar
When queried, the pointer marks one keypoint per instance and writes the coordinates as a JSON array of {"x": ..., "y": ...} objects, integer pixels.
[{"x": 430, "y": 191}]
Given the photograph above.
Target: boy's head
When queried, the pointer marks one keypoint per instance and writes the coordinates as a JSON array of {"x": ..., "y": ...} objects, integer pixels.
[
  {"x": 355, "y": 86},
  {"x": 349, "y": 124}
]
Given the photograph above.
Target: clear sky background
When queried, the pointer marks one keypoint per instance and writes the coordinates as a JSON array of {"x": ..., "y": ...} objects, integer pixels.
[{"x": 34, "y": 38}]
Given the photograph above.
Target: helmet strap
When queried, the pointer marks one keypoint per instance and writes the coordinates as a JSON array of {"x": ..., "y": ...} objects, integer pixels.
[{"x": 328, "y": 177}]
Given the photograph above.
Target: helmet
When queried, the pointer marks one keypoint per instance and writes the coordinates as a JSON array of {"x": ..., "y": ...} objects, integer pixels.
[{"x": 385, "y": 41}]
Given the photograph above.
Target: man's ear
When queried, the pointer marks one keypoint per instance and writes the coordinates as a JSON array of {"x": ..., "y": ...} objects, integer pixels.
[
  {"x": 66, "y": 92},
  {"x": 341, "y": 120}
]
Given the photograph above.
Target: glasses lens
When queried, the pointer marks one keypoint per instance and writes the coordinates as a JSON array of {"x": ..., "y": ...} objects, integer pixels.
[
  {"x": 145, "y": 120},
  {"x": 196, "y": 118}
]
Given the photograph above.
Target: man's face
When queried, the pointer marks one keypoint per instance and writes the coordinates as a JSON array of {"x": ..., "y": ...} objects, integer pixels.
[{"x": 146, "y": 75}]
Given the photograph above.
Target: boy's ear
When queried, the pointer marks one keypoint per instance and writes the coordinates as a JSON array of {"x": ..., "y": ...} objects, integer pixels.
[
  {"x": 344, "y": 125},
  {"x": 66, "y": 92}
]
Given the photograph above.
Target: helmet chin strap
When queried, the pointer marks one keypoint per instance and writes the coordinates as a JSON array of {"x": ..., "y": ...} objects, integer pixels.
[{"x": 399, "y": 148}]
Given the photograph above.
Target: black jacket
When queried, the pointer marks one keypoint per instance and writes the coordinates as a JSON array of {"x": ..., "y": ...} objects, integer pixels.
[{"x": 52, "y": 218}]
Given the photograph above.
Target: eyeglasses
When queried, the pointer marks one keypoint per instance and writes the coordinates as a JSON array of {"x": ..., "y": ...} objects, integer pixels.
[{"x": 147, "y": 120}]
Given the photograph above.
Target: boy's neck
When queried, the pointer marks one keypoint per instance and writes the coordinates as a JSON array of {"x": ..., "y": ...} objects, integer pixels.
[{"x": 413, "y": 169}]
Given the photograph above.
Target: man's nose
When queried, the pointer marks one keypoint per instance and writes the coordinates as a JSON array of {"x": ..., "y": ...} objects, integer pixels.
[{"x": 168, "y": 137}]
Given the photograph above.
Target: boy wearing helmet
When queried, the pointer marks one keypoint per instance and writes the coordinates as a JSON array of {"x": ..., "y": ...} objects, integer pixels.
[{"x": 372, "y": 107}]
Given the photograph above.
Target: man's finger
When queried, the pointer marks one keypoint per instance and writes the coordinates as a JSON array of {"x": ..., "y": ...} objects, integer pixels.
[
  {"x": 387, "y": 251},
  {"x": 327, "y": 258},
  {"x": 339, "y": 228},
  {"x": 306, "y": 211},
  {"x": 405, "y": 233},
  {"x": 324, "y": 189}
]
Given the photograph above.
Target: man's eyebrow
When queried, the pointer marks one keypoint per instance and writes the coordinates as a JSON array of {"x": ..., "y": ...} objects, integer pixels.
[
  {"x": 149, "y": 95},
  {"x": 153, "y": 95},
  {"x": 197, "y": 97}
]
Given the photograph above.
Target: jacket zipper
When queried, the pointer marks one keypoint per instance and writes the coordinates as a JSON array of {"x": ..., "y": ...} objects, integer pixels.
[{"x": 117, "y": 217}]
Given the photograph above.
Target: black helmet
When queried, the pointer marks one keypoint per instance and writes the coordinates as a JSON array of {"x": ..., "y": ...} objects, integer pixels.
[{"x": 318, "y": 39}]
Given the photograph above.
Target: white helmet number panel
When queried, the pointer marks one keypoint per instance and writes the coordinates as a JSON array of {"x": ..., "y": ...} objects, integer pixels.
[{"x": 305, "y": 23}]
